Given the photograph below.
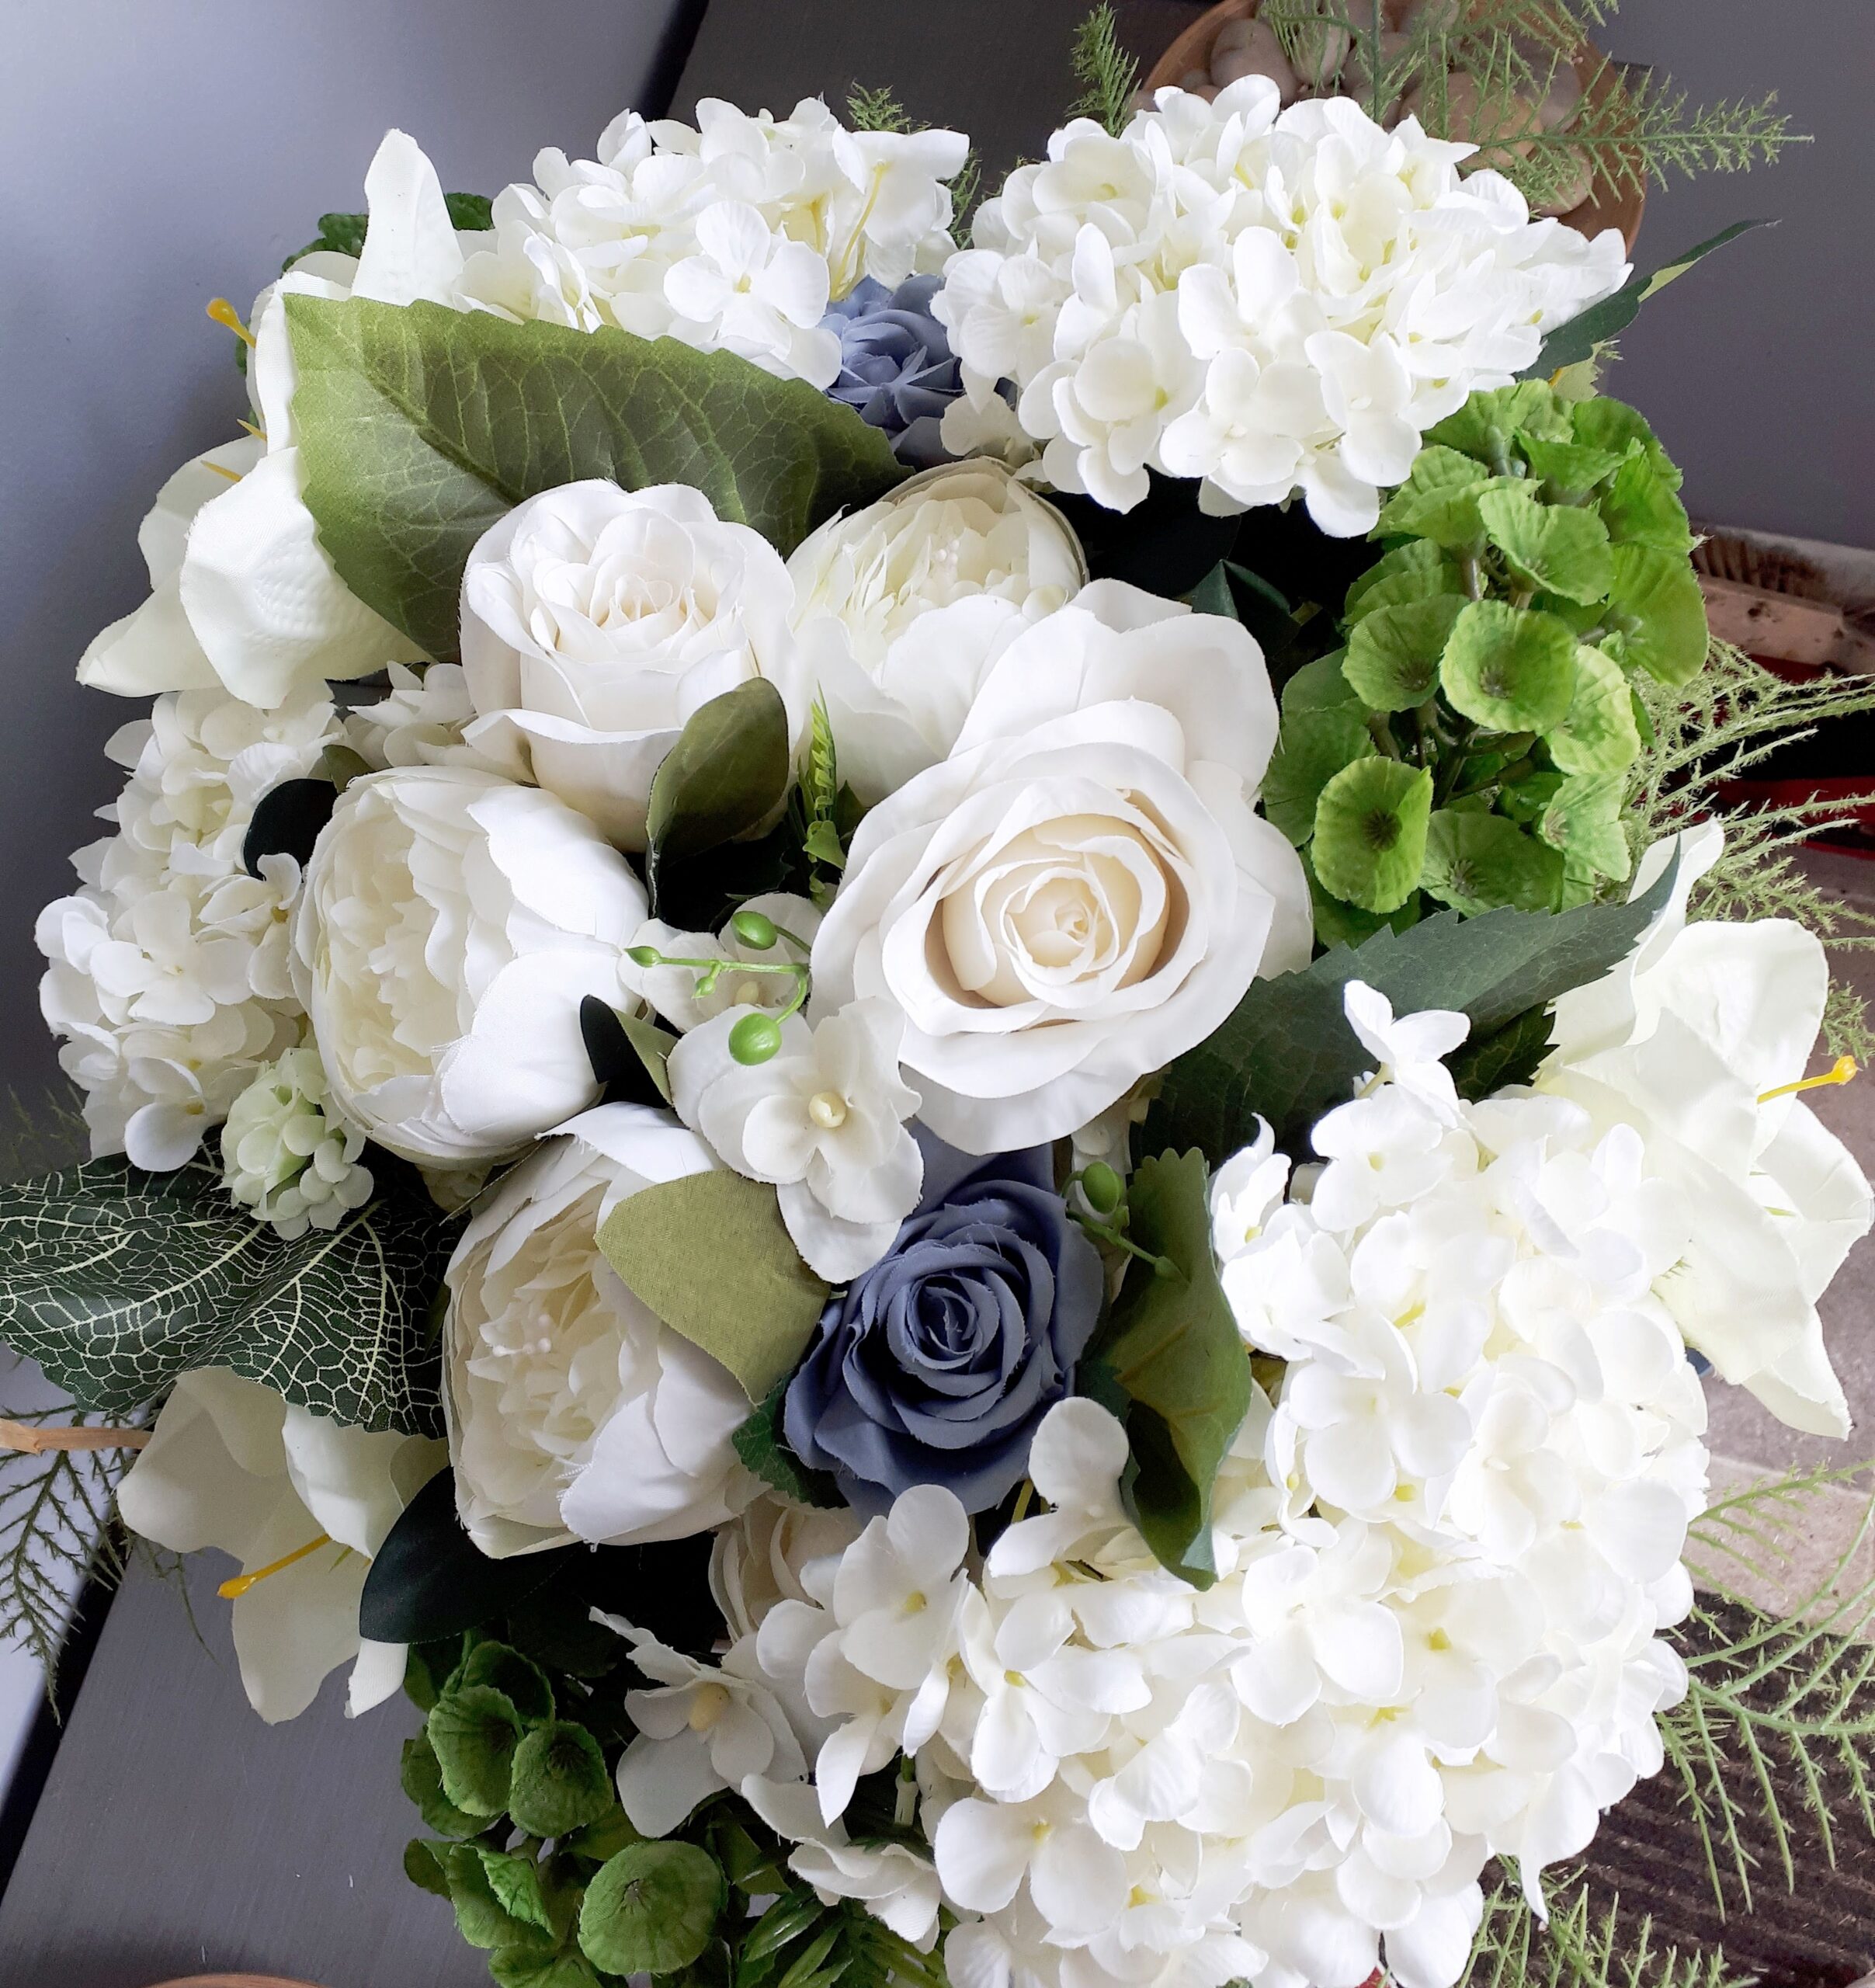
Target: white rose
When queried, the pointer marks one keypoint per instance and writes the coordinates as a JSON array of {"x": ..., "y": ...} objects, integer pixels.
[
  {"x": 901, "y": 608},
  {"x": 1083, "y": 890},
  {"x": 303, "y": 1503},
  {"x": 450, "y": 923},
  {"x": 595, "y": 620},
  {"x": 244, "y": 594},
  {"x": 574, "y": 1411}
]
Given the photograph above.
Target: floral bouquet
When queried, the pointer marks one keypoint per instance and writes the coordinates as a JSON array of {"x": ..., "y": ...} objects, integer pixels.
[{"x": 924, "y": 1060}]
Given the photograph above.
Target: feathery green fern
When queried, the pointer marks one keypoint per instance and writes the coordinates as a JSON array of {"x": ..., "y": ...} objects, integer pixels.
[
  {"x": 1586, "y": 1945},
  {"x": 1107, "y": 74}
]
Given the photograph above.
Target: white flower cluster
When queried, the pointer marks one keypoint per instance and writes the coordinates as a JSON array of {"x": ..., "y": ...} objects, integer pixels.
[
  {"x": 289, "y": 1155},
  {"x": 736, "y": 235},
  {"x": 1269, "y": 302},
  {"x": 169, "y": 967}
]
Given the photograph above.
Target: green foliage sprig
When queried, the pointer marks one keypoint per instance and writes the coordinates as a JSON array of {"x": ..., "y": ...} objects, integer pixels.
[
  {"x": 1107, "y": 74},
  {"x": 1471, "y": 743},
  {"x": 1586, "y": 1945}
]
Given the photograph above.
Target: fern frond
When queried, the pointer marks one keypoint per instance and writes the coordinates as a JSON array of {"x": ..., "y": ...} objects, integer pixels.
[
  {"x": 870, "y": 109},
  {"x": 1107, "y": 74},
  {"x": 1585, "y": 1945}
]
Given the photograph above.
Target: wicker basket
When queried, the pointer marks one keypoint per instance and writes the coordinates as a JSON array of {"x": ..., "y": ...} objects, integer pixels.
[{"x": 1609, "y": 206}]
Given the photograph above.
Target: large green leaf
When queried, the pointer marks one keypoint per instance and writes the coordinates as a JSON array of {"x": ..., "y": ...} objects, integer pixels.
[
  {"x": 419, "y": 426},
  {"x": 116, "y": 1281},
  {"x": 651, "y": 1909},
  {"x": 1171, "y": 1358},
  {"x": 1287, "y": 1053},
  {"x": 724, "y": 779}
]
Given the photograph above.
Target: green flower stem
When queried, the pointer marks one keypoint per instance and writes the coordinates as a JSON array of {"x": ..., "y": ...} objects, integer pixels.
[
  {"x": 1161, "y": 1266},
  {"x": 709, "y": 971}
]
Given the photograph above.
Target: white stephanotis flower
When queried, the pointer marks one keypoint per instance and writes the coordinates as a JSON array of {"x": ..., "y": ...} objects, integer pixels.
[
  {"x": 596, "y": 620},
  {"x": 449, "y": 925},
  {"x": 677, "y": 993},
  {"x": 1083, "y": 889},
  {"x": 1407, "y": 1051},
  {"x": 1245, "y": 1191},
  {"x": 303, "y": 1503},
  {"x": 1270, "y": 301},
  {"x": 748, "y": 289},
  {"x": 574, "y": 1411},
  {"x": 901, "y": 608},
  {"x": 244, "y": 594},
  {"x": 824, "y": 1118}
]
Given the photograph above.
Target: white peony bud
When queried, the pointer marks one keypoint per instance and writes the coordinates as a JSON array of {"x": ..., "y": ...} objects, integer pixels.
[{"x": 289, "y": 1156}]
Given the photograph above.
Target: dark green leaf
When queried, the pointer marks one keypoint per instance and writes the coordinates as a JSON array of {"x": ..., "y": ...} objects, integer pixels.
[
  {"x": 555, "y": 1626},
  {"x": 760, "y": 1444},
  {"x": 710, "y": 1255},
  {"x": 422, "y": 1780},
  {"x": 422, "y": 1869},
  {"x": 1510, "y": 1056},
  {"x": 628, "y": 1054},
  {"x": 116, "y": 1281},
  {"x": 1370, "y": 832},
  {"x": 517, "y": 1678},
  {"x": 536, "y": 1967},
  {"x": 651, "y": 1910},
  {"x": 559, "y": 1783},
  {"x": 471, "y": 214},
  {"x": 722, "y": 780},
  {"x": 418, "y": 427},
  {"x": 1171, "y": 1348},
  {"x": 604, "y": 1838},
  {"x": 286, "y": 821},
  {"x": 1288, "y": 1053}
]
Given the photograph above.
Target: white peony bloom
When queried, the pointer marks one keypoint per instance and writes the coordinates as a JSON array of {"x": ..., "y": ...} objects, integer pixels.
[
  {"x": 244, "y": 594},
  {"x": 824, "y": 1119},
  {"x": 303, "y": 1503},
  {"x": 169, "y": 971},
  {"x": 574, "y": 1411},
  {"x": 1083, "y": 889},
  {"x": 596, "y": 620},
  {"x": 449, "y": 925},
  {"x": 732, "y": 235},
  {"x": 901, "y": 608},
  {"x": 289, "y": 1156},
  {"x": 1270, "y": 301},
  {"x": 1725, "y": 1018},
  {"x": 677, "y": 993}
]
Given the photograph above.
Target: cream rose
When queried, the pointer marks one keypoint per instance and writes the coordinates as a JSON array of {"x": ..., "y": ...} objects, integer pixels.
[
  {"x": 901, "y": 608},
  {"x": 1083, "y": 889},
  {"x": 574, "y": 1411},
  {"x": 595, "y": 620},
  {"x": 449, "y": 925}
]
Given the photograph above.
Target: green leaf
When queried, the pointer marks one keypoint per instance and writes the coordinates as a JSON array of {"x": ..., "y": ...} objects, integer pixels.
[
  {"x": 1600, "y": 735},
  {"x": 763, "y": 1449},
  {"x": 1319, "y": 686},
  {"x": 481, "y": 1917},
  {"x": 1568, "y": 469},
  {"x": 1370, "y": 832},
  {"x": 1511, "y": 1056},
  {"x": 1416, "y": 571},
  {"x": 1658, "y": 614},
  {"x": 1585, "y": 818},
  {"x": 651, "y": 1910},
  {"x": 1475, "y": 862},
  {"x": 1550, "y": 547},
  {"x": 515, "y": 1880},
  {"x": 1313, "y": 748},
  {"x": 533, "y": 1967},
  {"x": 1393, "y": 653},
  {"x": 1570, "y": 344},
  {"x": 603, "y": 1839},
  {"x": 1510, "y": 668},
  {"x": 1615, "y": 426},
  {"x": 1171, "y": 1348},
  {"x": 1338, "y": 923},
  {"x": 422, "y": 1780},
  {"x": 710, "y": 1255},
  {"x": 559, "y": 1782},
  {"x": 1286, "y": 1050},
  {"x": 1438, "y": 501},
  {"x": 117, "y": 1281},
  {"x": 721, "y": 781},
  {"x": 517, "y": 1678},
  {"x": 1639, "y": 508},
  {"x": 474, "y": 1729},
  {"x": 422, "y": 1867},
  {"x": 418, "y": 427},
  {"x": 630, "y": 1055},
  {"x": 1488, "y": 427}
]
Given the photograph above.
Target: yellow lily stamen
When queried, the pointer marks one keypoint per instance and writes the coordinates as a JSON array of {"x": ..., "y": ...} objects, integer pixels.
[
  {"x": 233, "y": 475},
  {"x": 225, "y": 313},
  {"x": 1842, "y": 1071},
  {"x": 232, "y": 1590}
]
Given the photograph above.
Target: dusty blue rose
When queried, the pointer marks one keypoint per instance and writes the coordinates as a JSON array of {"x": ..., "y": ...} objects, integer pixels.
[
  {"x": 896, "y": 367},
  {"x": 936, "y": 1364}
]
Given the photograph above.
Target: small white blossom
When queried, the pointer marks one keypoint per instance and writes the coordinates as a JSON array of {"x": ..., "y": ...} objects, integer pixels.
[{"x": 290, "y": 1157}]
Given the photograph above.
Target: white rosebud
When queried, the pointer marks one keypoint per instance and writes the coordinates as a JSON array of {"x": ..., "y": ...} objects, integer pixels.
[
  {"x": 449, "y": 925},
  {"x": 290, "y": 1157},
  {"x": 574, "y": 1411},
  {"x": 596, "y": 620},
  {"x": 901, "y": 608},
  {"x": 757, "y": 1561}
]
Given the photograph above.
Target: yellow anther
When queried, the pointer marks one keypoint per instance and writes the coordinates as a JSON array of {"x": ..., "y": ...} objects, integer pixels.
[
  {"x": 233, "y": 475},
  {"x": 1842, "y": 1071},
  {"x": 225, "y": 313},
  {"x": 232, "y": 1590}
]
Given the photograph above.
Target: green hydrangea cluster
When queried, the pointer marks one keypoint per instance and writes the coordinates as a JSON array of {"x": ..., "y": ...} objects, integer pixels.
[{"x": 1470, "y": 742}]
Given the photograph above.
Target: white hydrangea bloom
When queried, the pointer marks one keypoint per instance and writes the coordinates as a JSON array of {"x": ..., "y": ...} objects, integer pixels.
[
  {"x": 168, "y": 968},
  {"x": 734, "y": 235},
  {"x": 291, "y": 1158},
  {"x": 1270, "y": 301},
  {"x": 419, "y": 722}
]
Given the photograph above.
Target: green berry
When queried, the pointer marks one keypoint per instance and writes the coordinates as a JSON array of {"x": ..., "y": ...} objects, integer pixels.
[
  {"x": 1102, "y": 1187},
  {"x": 753, "y": 931},
  {"x": 755, "y": 1039}
]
